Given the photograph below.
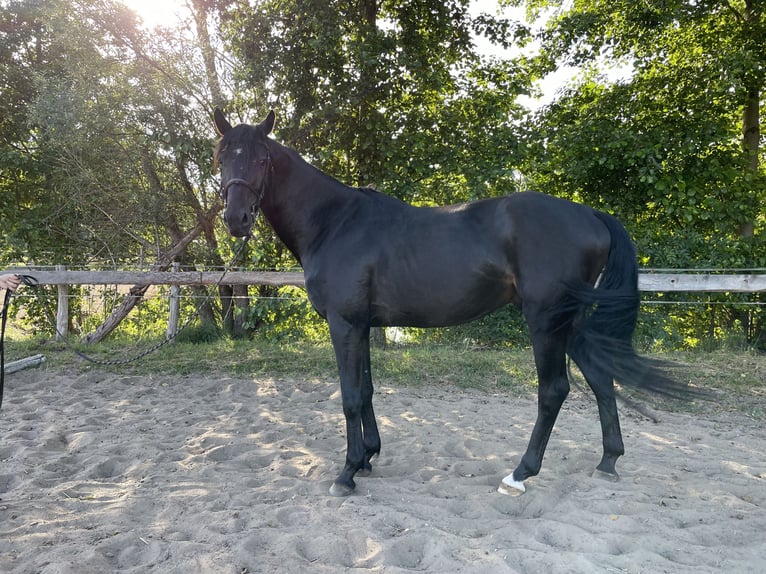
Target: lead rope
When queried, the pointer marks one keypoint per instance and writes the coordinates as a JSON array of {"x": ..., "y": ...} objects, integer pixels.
[
  {"x": 30, "y": 281},
  {"x": 6, "y": 302}
]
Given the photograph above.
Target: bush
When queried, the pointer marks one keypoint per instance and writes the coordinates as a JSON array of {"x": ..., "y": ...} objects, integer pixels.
[
  {"x": 502, "y": 328},
  {"x": 287, "y": 315}
]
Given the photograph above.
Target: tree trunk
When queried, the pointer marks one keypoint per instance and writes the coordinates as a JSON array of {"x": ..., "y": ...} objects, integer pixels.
[
  {"x": 751, "y": 129},
  {"x": 366, "y": 153},
  {"x": 751, "y": 135},
  {"x": 208, "y": 54},
  {"x": 207, "y": 315},
  {"x": 378, "y": 337}
]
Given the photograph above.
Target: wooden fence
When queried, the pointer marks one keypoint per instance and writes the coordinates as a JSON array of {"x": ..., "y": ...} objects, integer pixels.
[{"x": 62, "y": 278}]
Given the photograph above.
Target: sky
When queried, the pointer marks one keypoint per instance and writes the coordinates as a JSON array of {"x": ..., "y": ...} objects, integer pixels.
[
  {"x": 157, "y": 12},
  {"x": 154, "y": 12}
]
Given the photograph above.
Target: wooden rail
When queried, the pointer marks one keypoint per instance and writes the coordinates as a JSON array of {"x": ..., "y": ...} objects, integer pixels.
[
  {"x": 647, "y": 281},
  {"x": 701, "y": 283},
  {"x": 58, "y": 277},
  {"x": 62, "y": 278}
]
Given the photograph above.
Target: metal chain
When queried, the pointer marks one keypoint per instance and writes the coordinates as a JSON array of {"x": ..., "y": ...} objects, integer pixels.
[{"x": 162, "y": 343}]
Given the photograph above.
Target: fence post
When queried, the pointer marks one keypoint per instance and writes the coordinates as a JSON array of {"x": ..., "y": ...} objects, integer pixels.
[
  {"x": 62, "y": 309},
  {"x": 175, "y": 304}
]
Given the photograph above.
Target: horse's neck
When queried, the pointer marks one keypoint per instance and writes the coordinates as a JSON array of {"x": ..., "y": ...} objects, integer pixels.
[{"x": 298, "y": 192}]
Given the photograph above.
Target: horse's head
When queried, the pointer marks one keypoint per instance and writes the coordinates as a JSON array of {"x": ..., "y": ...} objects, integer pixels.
[{"x": 243, "y": 156}]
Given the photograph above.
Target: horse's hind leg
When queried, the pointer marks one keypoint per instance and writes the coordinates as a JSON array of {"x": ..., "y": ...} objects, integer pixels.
[
  {"x": 553, "y": 388},
  {"x": 601, "y": 381}
]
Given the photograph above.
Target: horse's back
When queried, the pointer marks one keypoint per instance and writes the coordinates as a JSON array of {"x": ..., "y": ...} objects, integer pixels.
[{"x": 401, "y": 265}]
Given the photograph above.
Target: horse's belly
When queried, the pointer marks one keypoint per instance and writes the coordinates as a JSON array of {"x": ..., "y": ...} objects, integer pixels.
[
  {"x": 438, "y": 318},
  {"x": 439, "y": 304}
]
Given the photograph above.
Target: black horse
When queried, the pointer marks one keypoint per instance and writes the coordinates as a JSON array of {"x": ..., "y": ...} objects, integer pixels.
[{"x": 372, "y": 260}]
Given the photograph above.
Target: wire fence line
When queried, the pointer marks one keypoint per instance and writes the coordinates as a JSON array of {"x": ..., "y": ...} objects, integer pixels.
[
  {"x": 184, "y": 296},
  {"x": 146, "y": 268}
]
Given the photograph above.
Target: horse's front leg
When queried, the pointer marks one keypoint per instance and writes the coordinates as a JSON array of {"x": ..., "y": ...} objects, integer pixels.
[
  {"x": 352, "y": 351},
  {"x": 370, "y": 434}
]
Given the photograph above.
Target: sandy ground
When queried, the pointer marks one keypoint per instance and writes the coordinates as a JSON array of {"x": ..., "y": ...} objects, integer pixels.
[{"x": 103, "y": 473}]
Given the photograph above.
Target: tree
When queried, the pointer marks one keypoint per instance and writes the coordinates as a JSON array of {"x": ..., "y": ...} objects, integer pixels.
[
  {"x": 675, "y": 149},
  {"x": 391, "y": 93},
  {"x": 665, "y": 147},
  {"x": 109, "y": 133},
  {"x": 25, "y": 48}
]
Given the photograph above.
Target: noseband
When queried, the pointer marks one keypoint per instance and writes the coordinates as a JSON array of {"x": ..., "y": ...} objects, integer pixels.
[{"x": 236, "y": 181}]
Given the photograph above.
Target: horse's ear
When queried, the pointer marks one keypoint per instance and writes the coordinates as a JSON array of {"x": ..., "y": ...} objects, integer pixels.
[
  {"x": 222, "y": 125},
  {"x": 268, "y": 124}
]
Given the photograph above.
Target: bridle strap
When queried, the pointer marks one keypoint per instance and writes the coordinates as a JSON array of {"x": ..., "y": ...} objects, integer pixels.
[
  {"x": 236, "y": 181},
  {"x": 243, "y": 183}
]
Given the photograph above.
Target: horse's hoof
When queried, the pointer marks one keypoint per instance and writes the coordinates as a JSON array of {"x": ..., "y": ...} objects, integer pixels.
[
  {"x": 610, "y": 476},
  {"x": 340, "y": 490},
  {"x": 511, "y": 487}
]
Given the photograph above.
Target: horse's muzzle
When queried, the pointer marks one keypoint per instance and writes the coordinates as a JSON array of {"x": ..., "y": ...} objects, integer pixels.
[
  {"x": 239, "y": 222},
  {"x": 241, "y": 202}
]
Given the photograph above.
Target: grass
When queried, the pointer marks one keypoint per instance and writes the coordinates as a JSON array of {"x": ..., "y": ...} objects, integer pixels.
[{"x": 737, "y": 380}]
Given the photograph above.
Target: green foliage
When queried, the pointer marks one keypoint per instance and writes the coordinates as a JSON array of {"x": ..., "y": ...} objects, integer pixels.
[
  {"x": 97, "y": 135},
  {"x": 200, "y": 334},
  {"x": 699, "y": 322},
  {"x": 504, "y": 328},
  {"x": 105, "y": 138},
  {"x": 664, "y": 148},
  {"x": 286, "y": 316},
  {"x": 667, "y": 149},
  {"x": 391, "y": 94},
  {"x": 621, "y": 147}
]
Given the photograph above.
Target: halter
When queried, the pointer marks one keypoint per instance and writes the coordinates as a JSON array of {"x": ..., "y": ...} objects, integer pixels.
[
  {"x": 258, "y": 193},
  {"x": 236, "y": 181}
]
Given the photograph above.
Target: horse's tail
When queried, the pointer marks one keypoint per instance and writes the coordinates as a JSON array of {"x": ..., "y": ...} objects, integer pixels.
[{"x": 608, "y": 316}]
